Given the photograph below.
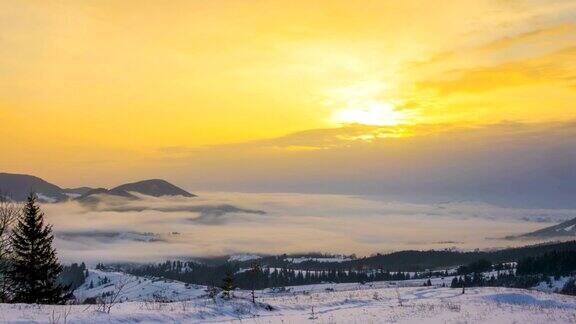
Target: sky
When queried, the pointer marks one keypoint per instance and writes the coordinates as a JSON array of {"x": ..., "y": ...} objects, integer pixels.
[{"x": 469, "y": 100}]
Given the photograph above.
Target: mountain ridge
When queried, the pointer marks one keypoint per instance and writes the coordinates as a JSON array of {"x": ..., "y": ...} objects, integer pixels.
[
  {"x": 564, "y": 229},
  {"x": 19, "y": 186},
  {"x": 154, "y": 188}
]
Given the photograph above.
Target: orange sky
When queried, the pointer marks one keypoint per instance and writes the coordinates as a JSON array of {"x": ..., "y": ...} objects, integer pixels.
[{"x": 110, "y": 87}]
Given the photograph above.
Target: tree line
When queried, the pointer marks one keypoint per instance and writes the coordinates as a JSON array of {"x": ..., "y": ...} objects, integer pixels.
[
  {"x": 259, "y": 277},
  {"x": 529, "y": 272},
  {"x": 417, "y": 261}
]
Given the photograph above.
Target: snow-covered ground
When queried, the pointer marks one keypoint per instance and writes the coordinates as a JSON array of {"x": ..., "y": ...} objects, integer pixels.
[
  {"x": 243, "y": 257},
  {"x": 135, "y": 288},
  {"x": 335, "y": 259},
  {"x": 380, "y": 302},
  {"x": 554, "y": 285}
]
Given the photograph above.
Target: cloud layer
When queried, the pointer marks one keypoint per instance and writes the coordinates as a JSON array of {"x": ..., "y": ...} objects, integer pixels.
[{"x": 170, "y": 228}]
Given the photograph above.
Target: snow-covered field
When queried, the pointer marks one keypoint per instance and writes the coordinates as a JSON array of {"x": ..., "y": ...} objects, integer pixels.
[{"x": 380, "y": 302}]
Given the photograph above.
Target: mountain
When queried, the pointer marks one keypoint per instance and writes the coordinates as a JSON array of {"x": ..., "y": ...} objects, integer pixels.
[
  {"x": 93, "y": 196},
  {"x": 77, "y": 191},
  {"x": 19, "y": 186},
  {"x": 155, "y": 188},
  {"x": 564, "y": 229}
]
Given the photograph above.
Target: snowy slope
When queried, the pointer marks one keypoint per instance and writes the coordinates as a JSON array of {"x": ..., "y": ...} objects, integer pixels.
[
  {"x": 380, "y": 302},
  {"x": 243, "y": 257},
  {"x": 567, "y": 228},
  {"x": 136, "y": 288},
  {"x": 374, "y": 305},
  {"x": 336, "y": 259}
]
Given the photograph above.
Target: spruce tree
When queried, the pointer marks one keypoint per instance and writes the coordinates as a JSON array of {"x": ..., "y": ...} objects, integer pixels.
[
  {"x": 35, "y": 268},
  {"x": 228, "y": 286}
]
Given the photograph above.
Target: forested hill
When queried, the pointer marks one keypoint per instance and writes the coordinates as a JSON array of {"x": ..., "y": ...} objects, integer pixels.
[
  {"x": 423, "y": 260},
  {"x": 411, "y": 260},
  {"x": 290, "y": 270}
]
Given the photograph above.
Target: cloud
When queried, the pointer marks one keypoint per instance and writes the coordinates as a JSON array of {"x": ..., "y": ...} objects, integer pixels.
[
  {"x": 540, "y": 52},
  {"x": 293, "y": 223},
  {"x": 107, "y": 236},
  {"x": 206, "y": 213},
  {"x": 510, "y": 164},
  {"x": 550, "y": 67}
]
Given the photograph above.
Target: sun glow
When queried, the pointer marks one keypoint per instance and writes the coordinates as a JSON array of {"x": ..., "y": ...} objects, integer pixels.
[{"x": 369, "y": 113}]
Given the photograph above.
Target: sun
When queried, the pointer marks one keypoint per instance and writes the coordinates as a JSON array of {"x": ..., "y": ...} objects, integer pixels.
[{"x": 370, "y": 112}]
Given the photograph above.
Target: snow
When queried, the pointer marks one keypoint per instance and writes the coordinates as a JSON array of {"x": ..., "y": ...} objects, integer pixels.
[
  {"x": 136, "y": 288},
  {"x": 523, "y": 299},
  {"x": 243, "y": 257},
  {"x": 336, "y": 259},
  {"x": 379, "y": 302},
  {"x": 554, "y": 286},
  {"x": 45, "y": 198}
]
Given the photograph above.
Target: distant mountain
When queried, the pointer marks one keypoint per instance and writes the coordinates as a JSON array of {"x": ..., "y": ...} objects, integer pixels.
[
  {"x": 155, "y": 188},
  {"x": 77, "y": 191},
  {"x": 93, "y": 196},
  {"x": 19, "y": 186},
  {"x": 564, "y": 229}
]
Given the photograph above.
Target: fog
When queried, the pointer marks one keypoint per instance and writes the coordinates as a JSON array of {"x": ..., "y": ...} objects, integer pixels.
[{"x": 218, "y": 223}]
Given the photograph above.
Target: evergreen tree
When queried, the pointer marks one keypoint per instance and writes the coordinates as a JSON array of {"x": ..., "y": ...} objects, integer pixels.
[
  {"x": 34, "y": 269},
  {"x": 228, "y": 286},
  {"x": 455, "y": 283},
  {"x": 569, "y": 288}
]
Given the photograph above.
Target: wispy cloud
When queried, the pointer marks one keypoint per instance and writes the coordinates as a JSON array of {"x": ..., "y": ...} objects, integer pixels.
[{"x": 511, "y": 163}]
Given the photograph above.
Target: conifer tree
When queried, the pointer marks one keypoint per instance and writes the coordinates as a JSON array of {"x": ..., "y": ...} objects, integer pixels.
[
  {"x": 228, "y": 286},
  {"x": 34, "y": 267}
]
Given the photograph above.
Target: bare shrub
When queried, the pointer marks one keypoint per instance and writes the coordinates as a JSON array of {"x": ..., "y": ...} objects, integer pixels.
[
  {"x": 9, "y": 212},
  {"x": 61, "y": 316},
  {"x": 106, "y": 302},
  {"x": 452, "y": 307},
  {"x": 399, "y": 297}
]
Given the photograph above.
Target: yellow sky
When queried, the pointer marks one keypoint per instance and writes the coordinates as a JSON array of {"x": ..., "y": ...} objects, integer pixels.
[{"x": 89, "y": 81}]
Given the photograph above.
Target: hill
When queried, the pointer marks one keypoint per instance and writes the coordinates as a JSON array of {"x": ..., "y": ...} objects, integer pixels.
[
  {"x": 19, "y": 186},
  {"x": 381, "y": 302},
  {"x": 155, "y": 188},
  {"x": 409, "y": 260},
  {"x": 564, "y": 229},
  {"x": 94, "y": 196}
]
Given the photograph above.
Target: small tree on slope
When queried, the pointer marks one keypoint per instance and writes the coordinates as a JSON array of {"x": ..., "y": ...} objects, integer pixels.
[
  {"x": 228, "y": 286},
  {"x": 34, "y": 267}
]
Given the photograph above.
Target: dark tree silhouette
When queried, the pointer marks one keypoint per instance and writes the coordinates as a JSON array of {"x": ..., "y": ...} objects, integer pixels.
[
  {"x": 34, "y": 267},
  {"x": 228, "y": 286},
  {"x": 255, "y": 270}
]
